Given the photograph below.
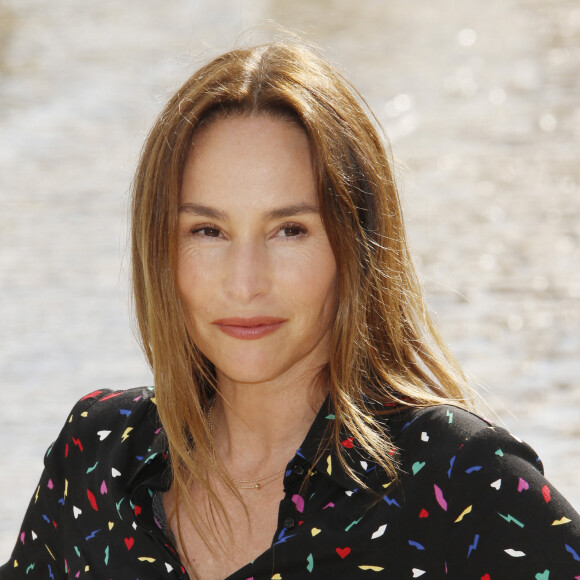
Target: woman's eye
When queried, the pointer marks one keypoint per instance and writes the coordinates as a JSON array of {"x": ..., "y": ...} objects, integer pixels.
[
  {"x": 291, "y": 231},
  {"x": 206, "y": 231}
]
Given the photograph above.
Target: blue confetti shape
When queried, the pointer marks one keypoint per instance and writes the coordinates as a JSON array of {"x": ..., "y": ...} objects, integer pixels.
[
  {"x": 472, "y": 469},
  {"x": 416, "y": 545},
  {"x": 573, "y": 552},
  {"x": 451, "y": 466},
  {"x": 92, "y": 535},
  {"x": 474, "y": 545},
  {"x": 391, "y": 501}
]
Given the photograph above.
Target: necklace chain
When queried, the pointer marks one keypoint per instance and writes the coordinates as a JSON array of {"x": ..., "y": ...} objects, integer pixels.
[{"x": 258, "y": 483}]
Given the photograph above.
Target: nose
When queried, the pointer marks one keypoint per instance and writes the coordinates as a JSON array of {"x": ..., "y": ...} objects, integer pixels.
[{"x": 247, "y": 274}]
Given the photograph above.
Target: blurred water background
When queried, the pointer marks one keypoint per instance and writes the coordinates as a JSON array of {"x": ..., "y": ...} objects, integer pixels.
[{"x": 480, "y": 100}]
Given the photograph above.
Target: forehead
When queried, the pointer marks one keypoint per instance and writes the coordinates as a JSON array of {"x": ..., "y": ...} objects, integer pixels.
[{"x": 257, "y": 159}]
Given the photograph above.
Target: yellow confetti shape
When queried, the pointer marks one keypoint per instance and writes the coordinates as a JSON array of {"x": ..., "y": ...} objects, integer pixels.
[
  {"x": 329, "y": 463},
  {"x": 126, "y": 433},
  {"x": 16, "y": 563},
  {"x": 385, "y": 485},
  {"x": 65, "y": 487},
  {"x": 87, "y": 568},
  {"x": 152, "y": 399},
  {"x": 466, "y": 511},
  {"x": 315, "y": 531},
  {"x": 111, "y": 524},
  {"x": 276, "y": 577},
  {"x": 562, "y": 520},
  {"x": 51, "y": 554},
  {"x": 84, "y": 414},
  {"x": 70, "y": 419},
  {"x": 146, "y": 559},
  {"x": 373, "y": 568},
  {"x": 36, "y": 495}
]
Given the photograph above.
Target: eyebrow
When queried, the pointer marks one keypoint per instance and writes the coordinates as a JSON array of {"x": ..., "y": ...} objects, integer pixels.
[{"x": 277, "y": 213}]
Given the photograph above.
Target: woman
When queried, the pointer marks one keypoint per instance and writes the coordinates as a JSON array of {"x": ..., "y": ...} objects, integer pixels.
[{"x": 307, "y": 420}]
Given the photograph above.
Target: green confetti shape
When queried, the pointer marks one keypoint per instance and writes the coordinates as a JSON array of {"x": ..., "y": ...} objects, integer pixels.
[
  {"x": 93, "y": 467},
  {"x": 352, "y": 524}
]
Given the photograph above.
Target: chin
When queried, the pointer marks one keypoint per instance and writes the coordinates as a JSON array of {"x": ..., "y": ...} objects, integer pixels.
[{"x": 248, "y": 373}]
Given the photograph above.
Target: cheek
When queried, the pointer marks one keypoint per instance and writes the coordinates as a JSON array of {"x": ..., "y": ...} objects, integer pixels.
[
  {"x": 192, "y": 280},
  {"x": 317, "y": 286}
]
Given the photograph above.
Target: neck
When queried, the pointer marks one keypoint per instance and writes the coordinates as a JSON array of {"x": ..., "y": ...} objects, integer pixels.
[{"x": 257, "y": 428}]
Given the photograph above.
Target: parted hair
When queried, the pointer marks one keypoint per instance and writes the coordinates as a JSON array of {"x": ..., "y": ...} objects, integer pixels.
[{"x": 384, "y": 346}]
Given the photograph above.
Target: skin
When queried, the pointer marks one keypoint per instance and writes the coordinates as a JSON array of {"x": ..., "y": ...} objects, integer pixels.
[{"x": 252, "y": 244}]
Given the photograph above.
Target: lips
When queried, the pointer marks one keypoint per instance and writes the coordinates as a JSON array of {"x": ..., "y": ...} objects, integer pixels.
[{"x": 249, "y": 328}]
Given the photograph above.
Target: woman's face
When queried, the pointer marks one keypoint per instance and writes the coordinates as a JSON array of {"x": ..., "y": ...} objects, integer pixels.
[{"x": 255, "y": 269}]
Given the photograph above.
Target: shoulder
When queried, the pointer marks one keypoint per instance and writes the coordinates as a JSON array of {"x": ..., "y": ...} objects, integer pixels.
[
  {"x": 112, "y": 407},
  {"x": 107, "y": 425},
  {"x": 444, "y": 421},
  {"x": 453, "y": 438},
  {"x": 485, "y": 492}
]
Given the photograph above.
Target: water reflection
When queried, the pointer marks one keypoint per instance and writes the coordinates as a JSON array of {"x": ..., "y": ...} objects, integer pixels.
[{"x": 7, "y": 26}]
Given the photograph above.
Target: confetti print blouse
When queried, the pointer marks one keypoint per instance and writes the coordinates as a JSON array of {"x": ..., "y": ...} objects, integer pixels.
[{"x": 472, "y": 503}]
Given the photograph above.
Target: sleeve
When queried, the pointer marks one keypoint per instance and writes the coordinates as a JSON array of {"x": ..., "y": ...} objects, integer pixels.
[
  {"x": 39, "y": 550},
  {"x": 506, "y": 520}
]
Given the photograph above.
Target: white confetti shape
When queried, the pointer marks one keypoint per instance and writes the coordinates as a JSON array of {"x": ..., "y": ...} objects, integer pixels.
[
  {"x": 417, "y": 572},
  {"x": 496, "y": 484},
  {"x": 77, "y": 511},
  {"x": 34, "y": 536},
  {"x": 424, "y": 436},
  {"x": 364, "y": 465},
  {"x": 348, "y": 492},
  {"x": 134, "y": 525},
  {"x": 379, "y": 532},
  {"x": 103, "y": 434},
  {"x": 169, "y": 567},
  {"x": 115, "y": 473},
  {"x": 514, "y": 553}
]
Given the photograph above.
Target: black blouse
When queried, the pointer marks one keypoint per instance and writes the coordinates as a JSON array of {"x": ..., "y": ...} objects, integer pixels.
[{"x": 471, "y": 503}]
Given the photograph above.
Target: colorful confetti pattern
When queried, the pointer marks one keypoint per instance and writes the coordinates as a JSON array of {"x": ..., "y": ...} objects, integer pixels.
[{"x": 471, "y": 503}]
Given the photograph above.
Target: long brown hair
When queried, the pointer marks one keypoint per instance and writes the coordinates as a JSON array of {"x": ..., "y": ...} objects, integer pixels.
[{"x": 384, "y": 345}]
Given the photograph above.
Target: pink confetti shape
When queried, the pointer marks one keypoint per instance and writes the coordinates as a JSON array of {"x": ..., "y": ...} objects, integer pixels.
[
  {"x": 439, "y": 497},
  {"x": 22, "y": 536},
  {"x": 299, "y": 501},
  {"x": 103, "y": 487},
  {"x": 50, "y": 485},
  {"x": 329, "y": 504},
  {"x": 523, "y": 485}
]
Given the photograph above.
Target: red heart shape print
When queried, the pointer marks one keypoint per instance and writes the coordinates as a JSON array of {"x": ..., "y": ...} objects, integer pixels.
[
  {"x": 129, "y": 542},
  {"x": 343, "y": 552}
]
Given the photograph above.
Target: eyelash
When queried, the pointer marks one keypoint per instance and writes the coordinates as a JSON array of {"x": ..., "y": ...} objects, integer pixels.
[{"x": 197, "y": 231}]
